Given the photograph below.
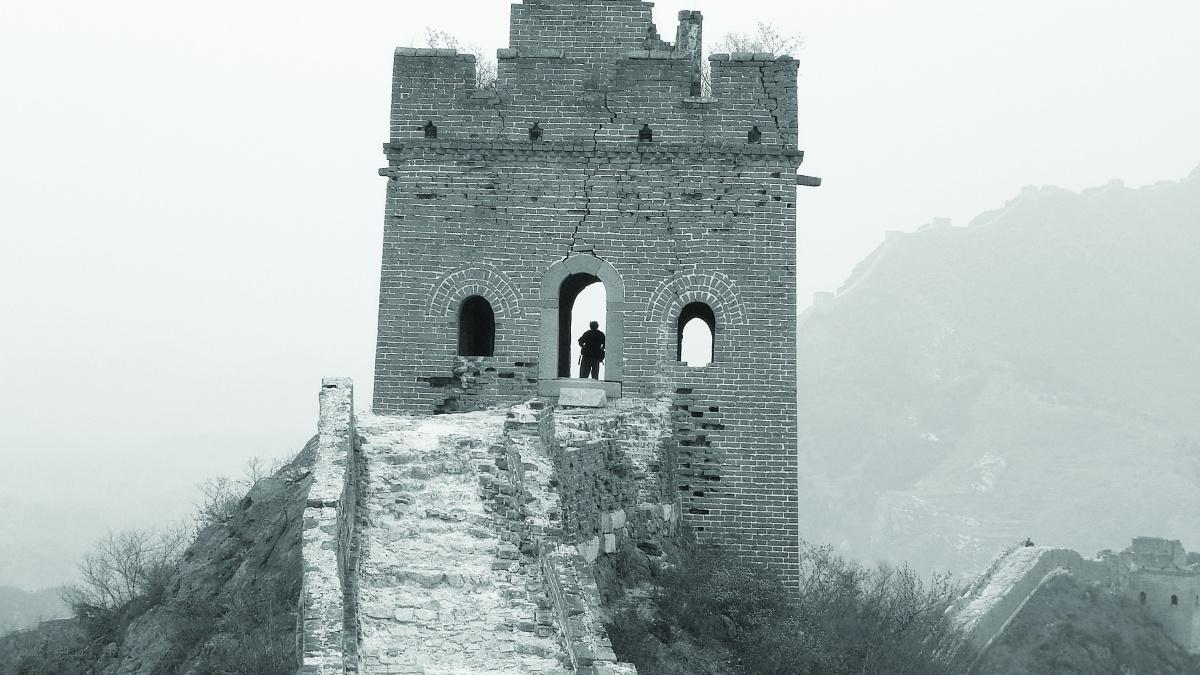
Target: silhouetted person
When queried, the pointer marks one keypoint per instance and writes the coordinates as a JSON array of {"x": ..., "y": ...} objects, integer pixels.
[
  {"x": 592, "y": 354},
  {"x": 1027, "y": 543}
]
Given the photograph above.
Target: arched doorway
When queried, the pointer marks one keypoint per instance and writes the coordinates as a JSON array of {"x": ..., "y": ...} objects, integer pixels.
[
  {"x": 476, "y": 327},
  {"x": 561, "y": 287},
  {"x": 581, "y": 300}
]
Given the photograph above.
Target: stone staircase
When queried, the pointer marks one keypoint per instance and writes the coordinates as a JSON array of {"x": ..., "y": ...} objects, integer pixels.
[{"x": 440, "y": 592}]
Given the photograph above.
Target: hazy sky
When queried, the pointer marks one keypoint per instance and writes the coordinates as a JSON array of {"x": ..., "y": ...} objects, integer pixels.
[{"x": 190, "y": 217}]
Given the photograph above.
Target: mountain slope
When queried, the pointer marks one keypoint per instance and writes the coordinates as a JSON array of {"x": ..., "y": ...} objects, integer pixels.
[{"x": 1034, "y": 374}]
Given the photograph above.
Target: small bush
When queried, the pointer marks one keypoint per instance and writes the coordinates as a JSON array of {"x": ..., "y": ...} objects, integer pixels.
[{"x": 717, "y": 614}]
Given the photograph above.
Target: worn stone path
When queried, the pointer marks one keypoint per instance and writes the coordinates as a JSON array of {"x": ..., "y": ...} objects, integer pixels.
[{"x": 439, "y": 592}]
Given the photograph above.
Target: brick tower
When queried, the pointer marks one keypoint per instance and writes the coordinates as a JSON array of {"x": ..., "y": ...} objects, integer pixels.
[{"x": 602, "y": 156}]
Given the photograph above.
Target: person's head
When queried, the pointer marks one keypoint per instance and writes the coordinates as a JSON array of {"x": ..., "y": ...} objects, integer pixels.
[{"x": 594, "y": 325}]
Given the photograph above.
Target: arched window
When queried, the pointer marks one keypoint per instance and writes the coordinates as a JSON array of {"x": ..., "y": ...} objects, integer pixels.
[
  {"x": 1174, "y": 600},
  {"x": 1142, "y": 597},
  {"x": 696, "y": 335},
  {"x": 476, "y": 327}
]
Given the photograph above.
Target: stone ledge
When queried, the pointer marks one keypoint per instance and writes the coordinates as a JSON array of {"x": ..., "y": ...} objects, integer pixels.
[
  {"x": 556, "y": 386},
  {"x": 657, "y": 55},
  {"x": 750, "y": 57},
  {"x": 617, "y": 149},
  {"x": 529, "y": 53},
  {"x": 412, "y": 52}
]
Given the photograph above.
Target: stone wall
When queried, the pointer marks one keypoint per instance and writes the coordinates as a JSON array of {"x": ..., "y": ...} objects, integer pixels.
[
  {"x": 703, "y": 210},
  {"x": 327, "y": 635}
]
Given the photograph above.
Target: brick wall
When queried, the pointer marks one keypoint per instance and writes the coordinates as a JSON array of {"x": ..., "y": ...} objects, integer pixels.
[{"x": 698, "y": 214}]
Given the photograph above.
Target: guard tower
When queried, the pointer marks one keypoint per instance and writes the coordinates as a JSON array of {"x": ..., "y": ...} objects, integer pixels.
[{"x": 602, "y": 155}]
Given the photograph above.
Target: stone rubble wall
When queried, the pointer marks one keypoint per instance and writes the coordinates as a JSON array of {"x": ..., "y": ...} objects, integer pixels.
[
  {"x": 327, "y": 634},
  {"x": 539, "y": 493},
  {"x": 613, "y": 484}
]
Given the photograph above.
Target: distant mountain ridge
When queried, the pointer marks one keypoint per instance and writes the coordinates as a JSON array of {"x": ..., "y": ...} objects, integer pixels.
[
  {"x": 20, "y": 609},
  {"x": 1035, "y": 374}
]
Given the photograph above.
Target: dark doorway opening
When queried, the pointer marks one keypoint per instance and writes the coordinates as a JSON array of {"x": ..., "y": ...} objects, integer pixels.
[
  {"x": 696, "y": 335},
  {"x": 476, "y": 328},
  {"x": 572, "y": 324}
]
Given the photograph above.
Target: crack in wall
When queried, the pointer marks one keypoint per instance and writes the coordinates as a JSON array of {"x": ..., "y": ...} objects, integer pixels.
[
  {"x": 589, "y": 177},
  {"x": 772, "y": 101}
]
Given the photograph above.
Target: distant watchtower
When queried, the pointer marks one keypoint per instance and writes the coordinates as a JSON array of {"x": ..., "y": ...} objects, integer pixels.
[{"x": 601, "y": 157}]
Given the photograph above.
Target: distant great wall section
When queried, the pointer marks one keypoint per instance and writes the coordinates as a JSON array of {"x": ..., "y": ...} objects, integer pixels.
[{"x": 1156, "y": 573}]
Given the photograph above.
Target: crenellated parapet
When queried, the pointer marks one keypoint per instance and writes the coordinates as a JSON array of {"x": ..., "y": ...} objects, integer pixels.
[{"x": 603, "y": 80}]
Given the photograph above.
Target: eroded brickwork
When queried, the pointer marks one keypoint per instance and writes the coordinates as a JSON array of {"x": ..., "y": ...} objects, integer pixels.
[{"x": 666, "y": 196}]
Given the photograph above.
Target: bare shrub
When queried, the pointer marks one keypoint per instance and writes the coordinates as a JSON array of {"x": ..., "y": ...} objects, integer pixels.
[
  {"x": 221, "y": 496},
  {"x": 485, "y": 65},
  {"x": 766, "y": 38}
]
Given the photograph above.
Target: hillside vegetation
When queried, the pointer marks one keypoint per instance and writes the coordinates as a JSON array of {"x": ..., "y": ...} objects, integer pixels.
[
  {"x": 1031, "y": 375},
  {"x": 226, "y": 604},
  {"x": 710, "y": 613}
]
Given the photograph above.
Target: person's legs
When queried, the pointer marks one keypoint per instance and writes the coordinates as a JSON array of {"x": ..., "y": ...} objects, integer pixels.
[{"x": 589, "y": 368}]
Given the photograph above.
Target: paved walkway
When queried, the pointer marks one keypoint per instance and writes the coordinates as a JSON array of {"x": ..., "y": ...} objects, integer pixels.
[{"x": 440, "y": 594}]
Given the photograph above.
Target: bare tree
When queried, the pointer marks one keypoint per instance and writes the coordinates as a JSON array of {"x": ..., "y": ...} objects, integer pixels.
[
  {"x": 125, "y": 566},
  {"x": 485, "y": 66}
]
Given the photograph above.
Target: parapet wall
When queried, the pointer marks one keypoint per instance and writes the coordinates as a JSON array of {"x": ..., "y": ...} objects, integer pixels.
[
  {"x": 327, "y": 634},
  {"x": 559, "y": 93}
]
